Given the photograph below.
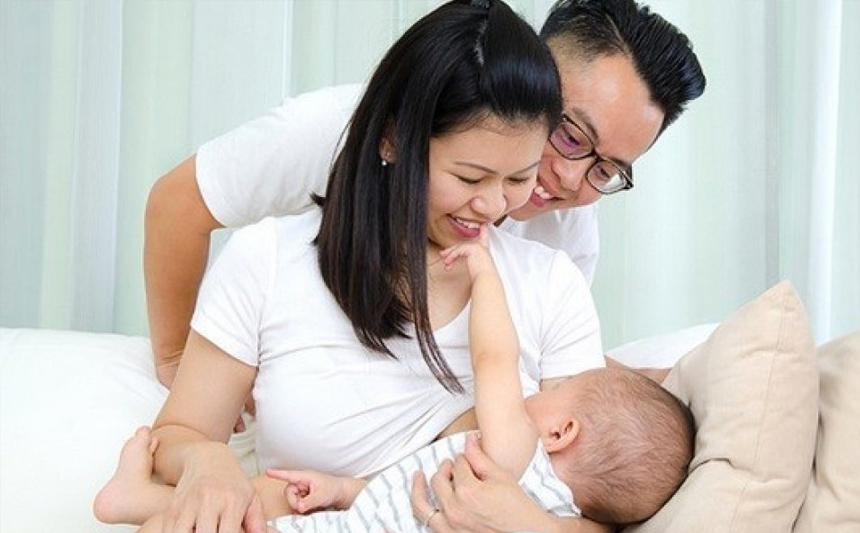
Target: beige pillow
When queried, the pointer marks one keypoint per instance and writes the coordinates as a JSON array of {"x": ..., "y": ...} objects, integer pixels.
[
  {"x": 833, "y": 502},
  {"x": 753, "y": 389}
]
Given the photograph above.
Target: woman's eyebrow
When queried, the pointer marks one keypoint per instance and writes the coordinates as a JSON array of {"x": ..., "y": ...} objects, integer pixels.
[{"x": 491, "y": 171}]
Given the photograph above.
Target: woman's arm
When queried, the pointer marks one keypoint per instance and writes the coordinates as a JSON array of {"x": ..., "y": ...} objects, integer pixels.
[{"x": 212, "y": 491}]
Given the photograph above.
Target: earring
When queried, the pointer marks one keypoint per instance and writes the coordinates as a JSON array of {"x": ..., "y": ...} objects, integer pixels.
[{"x": 384, "y": 162}]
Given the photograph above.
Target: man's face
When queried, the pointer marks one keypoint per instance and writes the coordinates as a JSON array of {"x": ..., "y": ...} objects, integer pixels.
[{"x": 608, "y": 100}]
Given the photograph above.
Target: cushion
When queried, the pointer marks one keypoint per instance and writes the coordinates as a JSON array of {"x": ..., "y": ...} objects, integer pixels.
[
  {"x": 68, "y": 401},
  {"x": 752, "y": 387},
  {"x": 833, "y": 500}
]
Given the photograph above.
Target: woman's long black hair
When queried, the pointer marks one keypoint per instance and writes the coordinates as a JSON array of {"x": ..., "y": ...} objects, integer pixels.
[{"x": 461, "y": 63}]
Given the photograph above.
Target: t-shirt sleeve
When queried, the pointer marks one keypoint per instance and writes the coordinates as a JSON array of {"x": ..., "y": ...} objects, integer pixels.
[
  {"x": 232, "y": 296},
  {"x": 571, "y": 329},
  {"x": 271, "y": 165}
]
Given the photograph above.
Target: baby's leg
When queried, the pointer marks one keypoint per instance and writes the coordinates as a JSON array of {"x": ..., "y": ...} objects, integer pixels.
[{"x": 131, "y": 496}]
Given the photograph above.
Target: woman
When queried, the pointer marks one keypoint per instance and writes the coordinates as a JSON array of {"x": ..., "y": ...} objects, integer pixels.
[{"x": 343, "y": 320}]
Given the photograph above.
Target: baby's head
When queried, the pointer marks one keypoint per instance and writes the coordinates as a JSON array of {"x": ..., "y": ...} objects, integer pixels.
[{"x": 632, "y": 448}]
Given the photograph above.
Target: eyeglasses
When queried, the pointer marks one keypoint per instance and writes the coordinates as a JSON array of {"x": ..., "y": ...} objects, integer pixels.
[{"x": 572, "y": 143}]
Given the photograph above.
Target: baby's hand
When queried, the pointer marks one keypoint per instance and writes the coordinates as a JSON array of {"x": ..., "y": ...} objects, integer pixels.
[
  {"x": 476, "y": 254},
  {"x": 309, "y": 490}
]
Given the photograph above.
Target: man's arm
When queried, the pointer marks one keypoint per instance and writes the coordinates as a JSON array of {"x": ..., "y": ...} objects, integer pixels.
[{"x": 177, "y": 230}]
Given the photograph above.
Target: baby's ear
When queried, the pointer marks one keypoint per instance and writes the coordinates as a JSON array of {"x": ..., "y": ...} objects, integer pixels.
[{"x": 561, "y": 436}]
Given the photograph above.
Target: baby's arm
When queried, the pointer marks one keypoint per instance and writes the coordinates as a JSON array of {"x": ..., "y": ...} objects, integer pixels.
[
  {"x": 507, "y": 433},
  {"x": 310, "y": 490}
]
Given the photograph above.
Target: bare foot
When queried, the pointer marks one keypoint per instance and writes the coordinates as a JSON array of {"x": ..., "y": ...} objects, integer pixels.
[{"x": 130, "y": 496}]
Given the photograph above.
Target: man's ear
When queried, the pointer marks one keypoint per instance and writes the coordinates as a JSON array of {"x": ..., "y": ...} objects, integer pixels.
[
  {"x": 561, "y": 436},
  {"x": 387, "y": 150}
]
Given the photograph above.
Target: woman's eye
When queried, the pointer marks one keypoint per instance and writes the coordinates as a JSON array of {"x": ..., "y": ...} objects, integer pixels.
[
  {"x": 519, "y": 181},
  {"x": 469, "y": 181}
]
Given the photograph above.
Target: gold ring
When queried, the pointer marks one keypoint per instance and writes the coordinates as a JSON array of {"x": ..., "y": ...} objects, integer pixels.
[{"x": 430, "y": 516}]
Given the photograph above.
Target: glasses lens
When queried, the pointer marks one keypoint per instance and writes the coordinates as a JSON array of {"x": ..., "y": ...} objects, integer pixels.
[
  {"x": 606, "y": 177},
  {"x": 570, "y": 141}
]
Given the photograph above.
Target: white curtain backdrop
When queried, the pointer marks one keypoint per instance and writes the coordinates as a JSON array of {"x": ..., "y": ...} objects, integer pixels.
[{"x": 755, "y": 183}]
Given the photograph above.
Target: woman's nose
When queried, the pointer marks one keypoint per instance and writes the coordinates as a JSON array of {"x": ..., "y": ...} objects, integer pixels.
[{"x": 490, "y": 205}]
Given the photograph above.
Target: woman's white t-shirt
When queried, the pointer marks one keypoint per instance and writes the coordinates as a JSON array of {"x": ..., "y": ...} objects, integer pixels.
[
  {"x": 271, "y": 165},
  {"x": 326, "y": 402}
]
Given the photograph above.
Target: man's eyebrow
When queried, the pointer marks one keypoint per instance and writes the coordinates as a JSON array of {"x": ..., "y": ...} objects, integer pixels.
[
  {"x": 491, "y": 171},
  {"x": 584, "y": 120}
]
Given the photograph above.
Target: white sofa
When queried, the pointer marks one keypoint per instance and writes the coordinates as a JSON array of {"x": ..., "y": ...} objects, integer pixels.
[{"x": 68, "y": 400}]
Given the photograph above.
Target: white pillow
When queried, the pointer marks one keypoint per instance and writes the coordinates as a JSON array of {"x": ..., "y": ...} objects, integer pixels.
[
  {"x": 661, "y": 351},
  {"x": 68, "y": 401}
]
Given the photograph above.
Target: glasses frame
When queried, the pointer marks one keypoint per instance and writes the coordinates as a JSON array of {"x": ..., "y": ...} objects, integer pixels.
[{"x": 626, "y": 175}]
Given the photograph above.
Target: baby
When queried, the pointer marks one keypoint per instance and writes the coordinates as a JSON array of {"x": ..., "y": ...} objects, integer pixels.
[{"x": 607, "y": 444}]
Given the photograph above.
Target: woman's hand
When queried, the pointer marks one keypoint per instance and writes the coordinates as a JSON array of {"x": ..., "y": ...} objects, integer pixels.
[
  {"x": 477, "y": 496},
  {"x": 214, "y": 496}
]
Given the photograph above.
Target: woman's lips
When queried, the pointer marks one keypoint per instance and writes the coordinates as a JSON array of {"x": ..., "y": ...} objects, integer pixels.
[{"x": 467, "y": 229}]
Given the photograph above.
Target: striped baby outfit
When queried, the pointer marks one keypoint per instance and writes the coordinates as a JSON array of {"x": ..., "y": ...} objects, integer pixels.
[{"x": 384, "y": 506}]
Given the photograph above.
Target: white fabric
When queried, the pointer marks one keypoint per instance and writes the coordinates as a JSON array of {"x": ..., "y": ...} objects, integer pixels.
[
  {"x": 326, "y": 402},
  {"x": 68, "y": 401},
  {"x": 573, "y": 231},
  {"x": 661, "y": 351},
  {"x": 383, "y": 505},
  {"x": 269, "y": 167}
]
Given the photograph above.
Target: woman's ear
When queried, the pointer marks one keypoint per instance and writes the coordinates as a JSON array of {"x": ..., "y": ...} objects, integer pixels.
[
  {"x": 387, "y": 152},
  {"x": 561, "y": 436}
]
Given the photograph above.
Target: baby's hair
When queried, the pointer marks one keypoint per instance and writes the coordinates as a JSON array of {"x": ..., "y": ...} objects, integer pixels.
[{"x": 634, "y": 447}]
